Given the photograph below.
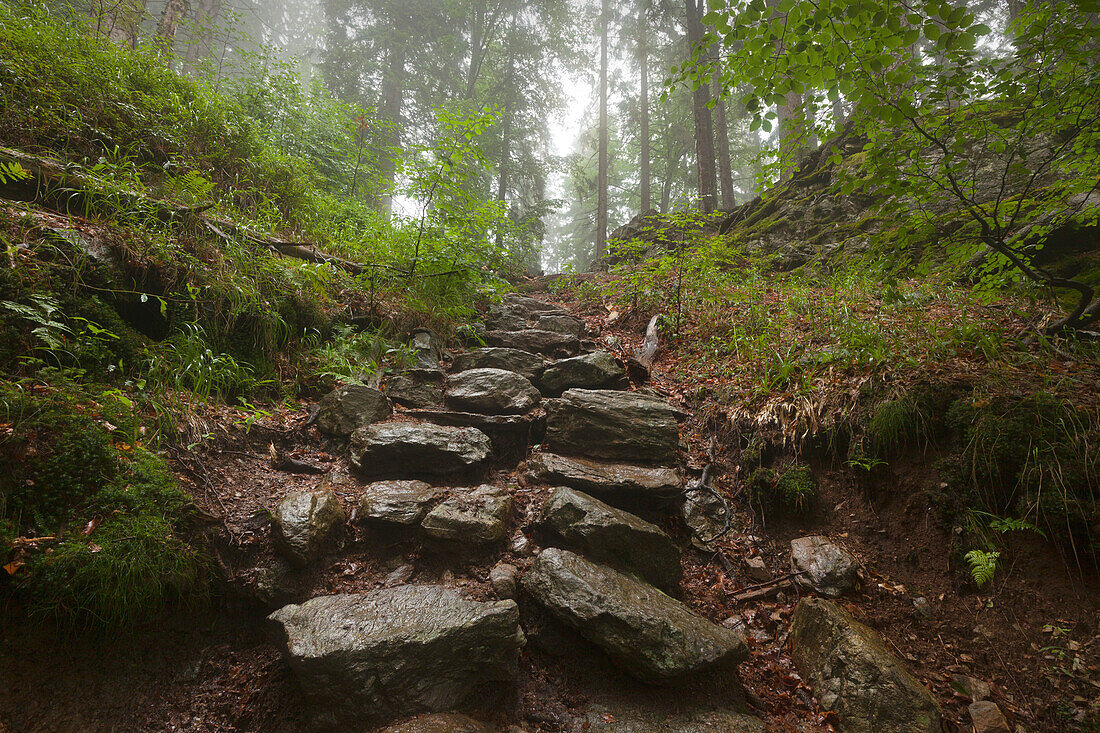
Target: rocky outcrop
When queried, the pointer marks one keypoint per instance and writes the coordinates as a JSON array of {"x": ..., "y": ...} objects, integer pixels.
[
  {"x": 303, "y": 522},
  {"x": 827, "y": 568},
  {"x": 536, "y": 340},
  {"x": 471, "y": 518},
  {"x": 411, "y": 450},
  {"x": 352, "y": 406},
  {"x": 597, "y": 370},
  {"x": 623, "y": 482},
  {"x": 398, "y": 502},
  {"x": 854, "y": 674},
  {"x": 417, "y": 387},
  {"x": 513, "y": 360},
  {"x": 609, "y": 424},
  {"x": 608, "y": 535},
  {"x": 645, "y": 632},
  {"x": 491, "y": 391},
  {"x": 397, "y": 651}
]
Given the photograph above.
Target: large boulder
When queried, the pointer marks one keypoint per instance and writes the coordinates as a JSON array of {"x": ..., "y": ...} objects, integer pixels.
[
  {"x": 352, "y": 406},
  {"x": 491, "y": 391},
  {"x": 415, "y": 450},
  {"x": 303, "y": 522},
  {"x": 398, "y": 502},
  {"x": 417, "y": 387},
  {"x": 513, "y": 360},
  {"x": 587, "y": 371},
  {"x": 645, "y": 632},
  {"x": 855, "y": 675},
  {"x": 397, "y": 651},
  {"x": 511, "y": 435},
  {"x": 611, "y": 424},
  {"x": 536, "y": 340},
  {"x": 623, "y": 482},
  {"x": 826, "y": 567},
  {"x": 472, "y": 518},
  {"x": 605, "y": 534}
]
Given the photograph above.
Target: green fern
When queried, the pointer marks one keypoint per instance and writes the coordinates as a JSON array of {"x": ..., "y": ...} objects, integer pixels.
[
  {"x": 11, "y": 172},
  {"x": 982, "y": 565}
]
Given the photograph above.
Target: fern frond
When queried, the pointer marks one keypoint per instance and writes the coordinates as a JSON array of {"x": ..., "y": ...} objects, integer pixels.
[
  {"x": 982, "y": 565},
  {"x": 12, "y": 171}
]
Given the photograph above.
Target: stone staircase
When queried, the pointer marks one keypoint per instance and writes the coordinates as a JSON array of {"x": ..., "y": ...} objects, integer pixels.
[{"x": 430, "y": 469}]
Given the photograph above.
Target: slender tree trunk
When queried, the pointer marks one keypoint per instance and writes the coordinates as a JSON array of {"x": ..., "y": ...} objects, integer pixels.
[
  {"x": 506, "y": 127},
  {"x": 601, "y": 173},
  {"x": 666, "y": 187},
  {"x": 704, "y": 126},
  {"x": 477, "y": 34},
  {"x": 174, "y": 11},
  {"x": 725, "y": 163},
  {"x": 202, "y": 41},
  {"x": 390, "y": 110},
  {"x": 643, "y": 107}
]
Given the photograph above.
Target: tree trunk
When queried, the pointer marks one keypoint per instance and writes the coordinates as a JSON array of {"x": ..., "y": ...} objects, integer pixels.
[
  {"x": 643, "y": 108},
  {"x": 174, "y": 10},
  {"x": 725, "y": 164},
  {"x": 202, "y": 40},
  {"x": 601, "y": 174},
  {"x": 477, "y": 34},
  {"x": 506, "y": 128},
  {"x": 390, "y": 111},
  {"x": 704, "y": 126},
  {"x": 666, "y": 187}
]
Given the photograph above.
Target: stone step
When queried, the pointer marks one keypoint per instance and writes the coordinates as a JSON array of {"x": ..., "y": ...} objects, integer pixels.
[
  {"x": 621, "y": 484},
  {"x": 597, "y": 370},
  {"x": 514, "y": 360},
  {"x": 491, "y": 392},
  {"x": 511, "y": 435},
  {"x": 625, "y": 426},
  {"x": 535, "y": 340},
  {"x": 409, "y": 450}
]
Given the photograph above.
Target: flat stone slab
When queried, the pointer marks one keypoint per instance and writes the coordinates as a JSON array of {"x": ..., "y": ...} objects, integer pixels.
[
  {"x": 627, "y": 426},
  {"x": 303, "y": 522},
  {"x": 474, "y": 517},
  {"x": 513, "y": 360},
  {"x": 561, "y": 323},
  {"x": 854, "y": 674},
  {"x": 625, "y": 481},
  {"x": 597, "y": 370},
  {"x": 645, "y": 632},
  {"x": 491, "y": 391},
  {"x": 511, "y": 435},
  {"x": 397, "y": 651},
  {"x": 352, "y": 406},
  {"x": 398, "y": 502},
  {"x": 416, "y": 450},
  {"x": 609, "y": 535},
  {"x": 535, "y": 340}
]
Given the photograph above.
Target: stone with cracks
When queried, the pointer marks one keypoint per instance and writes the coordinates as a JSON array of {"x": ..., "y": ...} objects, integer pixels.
[
  {"x": 561, "y": 323},
  {"x": 473, "y": 518},
  {"x": 855, "y": 675},
  {"x": 417, "y": 387},
  {"x": 303, "y": 522},
  {"x": 645, "y": 632},
  {"x": 513, "y": 360},
  {"x": 611, "y": 424},
  {"x": 397, "y": 651},
  {"x": 530, "y": 306},
  {"x": 417, "y": 450},
  {"x": 605, "y": 534},
  {"x": 491, "y": 392},
  {"x": 828, "y": 568},
  {"x": 511, "y": 435},
  {"x": 535, "y": 340},
  {"x": 619, "y": 481},
  {"x": 398, "y": 502},
  {"x": 352, "y": 406},
  {"x": 426, "y": 346},
  {"x": 588, "y": 371}
]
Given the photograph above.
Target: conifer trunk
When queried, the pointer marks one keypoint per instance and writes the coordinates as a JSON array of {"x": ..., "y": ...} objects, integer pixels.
[
  {"x": 643, "y": 108},
  {"x": 601, "y": 173},
  {"x": 704, "y": 125}
]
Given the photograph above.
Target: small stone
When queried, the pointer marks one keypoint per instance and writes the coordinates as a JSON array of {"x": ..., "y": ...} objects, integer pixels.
[
  {"x": 522, "y": 546},
  {"x": 756, "y": 569},
  {"x": 923, "y": 607},
  {"x": 352, "y": 406},
  {"x": 400, "y": 576},
  {"x": 827, "y": 568},
  {"x": 735, "y": 623},
  {"x": 398, "y": 502},
  {"x": 987, "y": 717},
  {"x": 503, "y": 579},
  {"x": 972, "y": 687},
  {"x": 303, "y": 522},
  {"x": 477, "y": 517}
]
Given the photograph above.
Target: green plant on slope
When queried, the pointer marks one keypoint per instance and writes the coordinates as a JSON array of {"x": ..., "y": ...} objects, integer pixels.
[{"x": 983, "y": 564}]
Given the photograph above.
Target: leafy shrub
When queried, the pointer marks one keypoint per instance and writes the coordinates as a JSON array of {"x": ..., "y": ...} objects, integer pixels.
[{"x": 793, "y": 488}]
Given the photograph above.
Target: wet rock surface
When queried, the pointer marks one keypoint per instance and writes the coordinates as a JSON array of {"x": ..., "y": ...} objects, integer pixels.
[
  {"x": 511, "y": 435},
  {"x": 413, "y": 450},
  {"x": 612, "y": 536},
  {"x": 597, "y": 370},
  {"x": 471, "y": 517},
  {"x": 649, "y": 635},
  {"x": 626, "y": 426},
  {"x": 535, "y": 340},
  {"x": 855, "y": 675},
  {"x": 609, "y": 481},
  {"x": 304, "y": 522},
  {"x": 417, "y": 387},
  {"x": 343, "y": 410},
  {"x": 491, "y": 391},
  {"x": 397, "y": 651},
  {"x": 398, "y": 502},
  {"x": 828, "y": 568},
  {"x": 513, "y": 360}
]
